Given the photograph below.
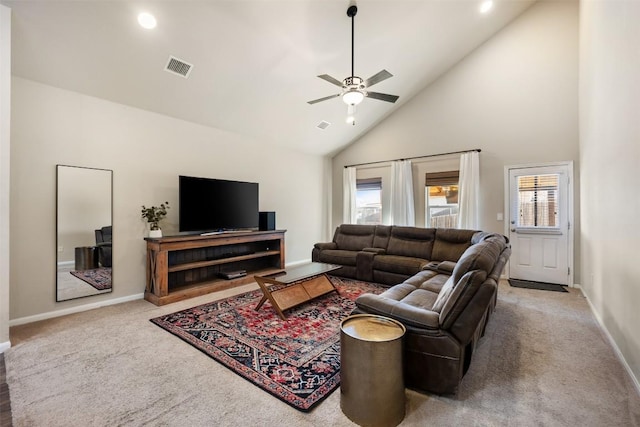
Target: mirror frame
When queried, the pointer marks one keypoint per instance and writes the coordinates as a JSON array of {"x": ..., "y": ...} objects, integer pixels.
[{"x": 57, "y": 239}]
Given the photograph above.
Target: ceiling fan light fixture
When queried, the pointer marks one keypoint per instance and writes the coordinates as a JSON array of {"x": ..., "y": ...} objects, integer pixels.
[{"x": 352, "y": 97}]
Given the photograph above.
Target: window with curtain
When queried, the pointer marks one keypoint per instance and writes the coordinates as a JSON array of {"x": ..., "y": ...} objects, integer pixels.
[
  {"x": 369, "y": 201},
  {"x": 538, "y": 201},
  {"x": 441, "y": 199},
  {"x": 401, "y": 207}
]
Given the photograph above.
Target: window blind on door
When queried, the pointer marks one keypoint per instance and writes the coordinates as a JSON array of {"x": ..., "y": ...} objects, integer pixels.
[{"x": 538, "y": 200}]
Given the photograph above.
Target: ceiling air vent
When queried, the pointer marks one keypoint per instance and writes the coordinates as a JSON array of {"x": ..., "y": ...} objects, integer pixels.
[
  {"x": 323, "y": 125},
  {"x": 178, "y": 66}
]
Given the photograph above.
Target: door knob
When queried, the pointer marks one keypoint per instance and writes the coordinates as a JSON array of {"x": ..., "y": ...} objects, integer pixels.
[{"x": 513, "y": 229}]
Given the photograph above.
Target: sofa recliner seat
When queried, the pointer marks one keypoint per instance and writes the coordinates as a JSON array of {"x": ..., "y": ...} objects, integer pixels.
[{"x": 398, "y": 264}]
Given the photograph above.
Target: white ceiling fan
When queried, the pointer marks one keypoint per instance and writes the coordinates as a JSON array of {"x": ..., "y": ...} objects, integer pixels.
[{"x": 354, "y": 88}]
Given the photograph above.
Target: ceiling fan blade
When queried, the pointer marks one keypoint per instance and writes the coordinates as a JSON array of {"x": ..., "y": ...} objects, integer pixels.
[
  {"x": 315, "y": 101},
  {"x": 382, "y": 96},
  {"x": 377, "y": 78},
  {"x": 330, "y": 79}
]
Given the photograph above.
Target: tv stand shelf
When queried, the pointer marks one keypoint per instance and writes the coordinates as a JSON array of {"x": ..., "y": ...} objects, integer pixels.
[
  {"x": 198, "y": 264},
  {"x": 182, "y": 267}
]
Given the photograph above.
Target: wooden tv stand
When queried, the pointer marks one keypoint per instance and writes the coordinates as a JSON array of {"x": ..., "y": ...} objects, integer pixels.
[{"x": 182, "y": 267}]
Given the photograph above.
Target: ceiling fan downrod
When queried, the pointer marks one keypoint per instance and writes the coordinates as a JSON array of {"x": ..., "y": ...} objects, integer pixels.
[{"x": 351, "y": 13}]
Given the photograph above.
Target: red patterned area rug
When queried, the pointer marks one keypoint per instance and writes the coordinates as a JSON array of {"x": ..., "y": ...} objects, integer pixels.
[
  {"x": 297, "y": 360},
  {"x": 99, "y": 278}
]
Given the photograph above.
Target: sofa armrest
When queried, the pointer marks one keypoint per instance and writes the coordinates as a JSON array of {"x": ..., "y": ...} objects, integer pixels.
[
  {"x": 328, "y": 245},
  {"x": 469, "y": 320},
  {"x": 445, "y": 267},
  {"x": 398, "y": 310},
  {"x": 377, "y": 251},
  {"x": 364, "y": 265}
]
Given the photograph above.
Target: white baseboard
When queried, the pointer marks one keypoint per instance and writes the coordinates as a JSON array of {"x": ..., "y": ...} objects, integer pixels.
[
  {"x": 71, "y": 310},
  {"x": 4, "y": 346},
  {"x": 81, "y": 308},
  {"x": 616, "y": 349}
]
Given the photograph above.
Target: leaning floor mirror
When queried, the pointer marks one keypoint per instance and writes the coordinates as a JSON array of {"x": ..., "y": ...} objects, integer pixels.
[{"x": 84, "y": 232}]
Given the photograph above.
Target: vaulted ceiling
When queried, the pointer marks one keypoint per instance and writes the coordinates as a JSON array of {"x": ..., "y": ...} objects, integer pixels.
[{"x": 255, "y": 62}]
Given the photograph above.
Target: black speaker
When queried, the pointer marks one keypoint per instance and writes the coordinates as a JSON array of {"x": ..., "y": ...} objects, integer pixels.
[{"x": 267, "y": 221}]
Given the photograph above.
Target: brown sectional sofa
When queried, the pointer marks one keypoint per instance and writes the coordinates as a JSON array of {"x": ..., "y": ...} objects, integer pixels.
[{"x": 446, "y": 283}]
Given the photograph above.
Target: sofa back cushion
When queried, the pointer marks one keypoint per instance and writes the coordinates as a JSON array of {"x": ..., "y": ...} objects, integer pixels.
[
  {"x": 381, "y": 238},
  {"x": 353, "y": 237},
  {"x": 451, "y": 243},
  {"x": 471, "y": 270},
  {"x": 481, "y": 256},
  {"x": 411, "y": 242},
  {"x": 456, "y": 296}
]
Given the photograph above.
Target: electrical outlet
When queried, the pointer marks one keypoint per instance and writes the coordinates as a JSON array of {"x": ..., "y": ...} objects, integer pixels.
[
  {"x": 500, "y": 216},
  {"x": 60, "y": 248}
]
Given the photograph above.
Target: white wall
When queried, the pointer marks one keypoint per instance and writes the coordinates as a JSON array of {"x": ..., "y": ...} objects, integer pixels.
[
  {"x": 610, "y": 172},
  {"x": 146, "y": 152},
  {"x": 515, "y": 97},
  {"x": 5, "y": 121}
]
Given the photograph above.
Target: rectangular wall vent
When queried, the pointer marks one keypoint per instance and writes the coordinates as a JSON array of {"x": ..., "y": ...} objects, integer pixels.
[
  {"x": 179, "y": 67},
  {"x": 323, "y": 125}
]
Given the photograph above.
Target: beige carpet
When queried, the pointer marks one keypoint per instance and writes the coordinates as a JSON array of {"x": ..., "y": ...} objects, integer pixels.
[{"x": 543, "y": 362}]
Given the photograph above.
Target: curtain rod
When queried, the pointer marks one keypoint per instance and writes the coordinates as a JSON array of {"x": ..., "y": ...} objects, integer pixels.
[{"x": 416, "y": 157}]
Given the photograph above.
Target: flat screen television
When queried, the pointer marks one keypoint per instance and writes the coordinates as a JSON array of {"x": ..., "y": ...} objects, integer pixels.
[{"x": 207, "y": 204}]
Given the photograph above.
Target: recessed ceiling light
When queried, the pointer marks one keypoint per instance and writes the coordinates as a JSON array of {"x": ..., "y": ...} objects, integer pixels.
[
  {"x": 147, "y": 20},
  {"x": 486, "y": 6}
]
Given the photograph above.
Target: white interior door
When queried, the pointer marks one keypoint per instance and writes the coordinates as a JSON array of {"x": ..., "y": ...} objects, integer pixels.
[{"x": 540, "y": 217}]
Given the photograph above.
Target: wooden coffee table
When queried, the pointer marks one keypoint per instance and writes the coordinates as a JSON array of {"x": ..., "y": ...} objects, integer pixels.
[{"x": 296, "y": 286}]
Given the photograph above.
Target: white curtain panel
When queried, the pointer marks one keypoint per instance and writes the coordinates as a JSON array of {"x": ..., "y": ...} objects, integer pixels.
[
  {"x": 402, "y": 208},
  {"x": 469, "y": 191},
  {"x": 349, "y": 196}
]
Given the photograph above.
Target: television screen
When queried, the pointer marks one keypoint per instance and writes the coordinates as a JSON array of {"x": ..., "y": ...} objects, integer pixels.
[{"x": 207, "y": 204}]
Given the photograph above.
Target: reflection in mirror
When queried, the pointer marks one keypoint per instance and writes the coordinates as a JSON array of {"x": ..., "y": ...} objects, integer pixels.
[{"x": 83, "y": 232}]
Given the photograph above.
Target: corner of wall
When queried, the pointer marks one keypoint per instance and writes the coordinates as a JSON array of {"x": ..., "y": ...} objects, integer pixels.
[{"x": 5, "y": 153}]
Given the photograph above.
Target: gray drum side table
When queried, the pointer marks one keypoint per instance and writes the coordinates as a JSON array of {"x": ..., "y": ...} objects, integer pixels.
[{"x": 371, "y": 372}]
